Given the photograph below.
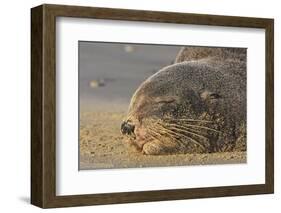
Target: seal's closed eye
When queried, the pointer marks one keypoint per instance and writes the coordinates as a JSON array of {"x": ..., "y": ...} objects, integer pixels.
[
  {"x": 214, "y": 96},
  {"x": 167, "y": 99},
  {"x": 205, "y": 95}
]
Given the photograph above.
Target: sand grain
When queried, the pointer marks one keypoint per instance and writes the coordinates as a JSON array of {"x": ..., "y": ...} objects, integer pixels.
[{"x": 102, "y": 146}]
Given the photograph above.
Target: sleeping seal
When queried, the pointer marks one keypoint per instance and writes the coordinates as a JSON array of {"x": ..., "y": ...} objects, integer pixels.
[{"x": 196, "y": 105}]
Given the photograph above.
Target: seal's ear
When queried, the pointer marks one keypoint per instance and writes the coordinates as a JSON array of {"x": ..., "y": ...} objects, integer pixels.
[{"x": 208, "y": 95}]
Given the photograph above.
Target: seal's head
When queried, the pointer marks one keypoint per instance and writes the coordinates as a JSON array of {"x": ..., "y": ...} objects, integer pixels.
[{"x": 168, "y": 114}]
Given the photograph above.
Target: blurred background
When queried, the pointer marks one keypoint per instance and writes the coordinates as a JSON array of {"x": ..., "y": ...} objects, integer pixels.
[{"x": 109, "y": 73}]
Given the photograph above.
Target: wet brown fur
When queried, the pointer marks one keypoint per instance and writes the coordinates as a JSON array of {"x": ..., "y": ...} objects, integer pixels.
[{"x": 196, "y": 105}]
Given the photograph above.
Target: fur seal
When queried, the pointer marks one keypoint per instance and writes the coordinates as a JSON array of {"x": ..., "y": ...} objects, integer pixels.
[{"x": 196, "y": 105}]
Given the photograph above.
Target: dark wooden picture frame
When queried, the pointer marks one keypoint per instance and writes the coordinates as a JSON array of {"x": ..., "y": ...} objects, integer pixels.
[{"x": 43, "y": 105}]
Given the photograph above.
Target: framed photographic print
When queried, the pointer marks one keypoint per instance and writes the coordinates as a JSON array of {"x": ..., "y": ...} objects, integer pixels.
[{"x": 136, "y": 106}]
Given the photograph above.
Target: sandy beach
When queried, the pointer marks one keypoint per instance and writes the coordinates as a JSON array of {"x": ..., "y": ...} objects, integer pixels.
[{"x": 102, "y": 146}]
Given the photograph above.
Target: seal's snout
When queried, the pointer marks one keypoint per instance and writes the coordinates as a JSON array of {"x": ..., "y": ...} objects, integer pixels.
[{"x": 127, "y": 128}]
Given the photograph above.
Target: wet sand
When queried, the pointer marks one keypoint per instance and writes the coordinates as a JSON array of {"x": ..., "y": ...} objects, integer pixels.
[{"x": 102, "y": 146}]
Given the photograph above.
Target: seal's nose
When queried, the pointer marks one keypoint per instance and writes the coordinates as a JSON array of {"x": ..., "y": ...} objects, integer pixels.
[{"x": 127, "y": 129}]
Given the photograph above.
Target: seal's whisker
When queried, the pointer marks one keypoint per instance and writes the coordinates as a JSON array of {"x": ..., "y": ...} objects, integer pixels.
[
  {"x": 155, "y": 137},
  {"x": 152, "y": 131},
  {"x": 158, "y": 135},
  {"x": 203, "y": 141},
  {"x": 191, "y": 120},
  {"x": 202, "y": 127},
  {"x": 198, "y": 131},
  {"x": 188, "y": 131},
  {"x": 192, "y": 125},
  {"x": 185, "y": 136},
  {"x": 175, "y": 127},
  {"x": 159, "y": 129},
  {"x": 165, "y": 133}
]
